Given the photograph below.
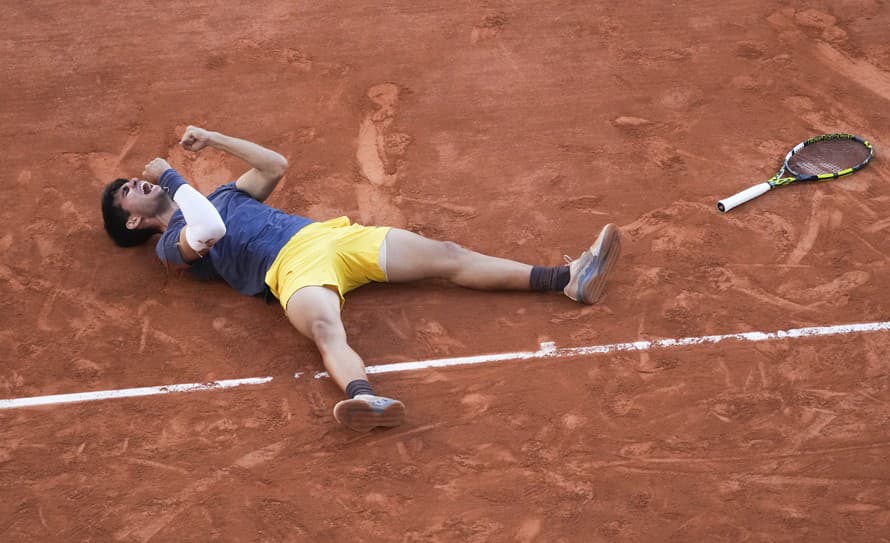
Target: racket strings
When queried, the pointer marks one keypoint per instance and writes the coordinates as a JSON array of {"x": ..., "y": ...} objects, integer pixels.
[{"x": 828, "y": 157}]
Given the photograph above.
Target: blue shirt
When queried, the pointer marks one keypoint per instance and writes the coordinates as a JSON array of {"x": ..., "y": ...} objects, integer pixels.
[{"x": 255, "y": 233}]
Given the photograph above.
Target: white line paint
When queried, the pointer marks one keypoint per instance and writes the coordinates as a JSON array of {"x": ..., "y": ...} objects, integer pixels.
[
  {"x": 129, "y": 392},
  {"x": 547, "y": 350}
]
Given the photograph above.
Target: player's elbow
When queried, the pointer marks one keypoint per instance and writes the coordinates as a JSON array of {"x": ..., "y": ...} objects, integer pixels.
[
  {"x": 209, "y": 232},
  {"x": 217, "y": 230},
  {"x": 278, "y": 166},
  {"x": 202, "y": 237},
  {"x": 220, "y": 231}
]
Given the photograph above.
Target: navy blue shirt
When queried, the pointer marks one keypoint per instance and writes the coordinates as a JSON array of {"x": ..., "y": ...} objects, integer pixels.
[{"x": 255, "y": 233}]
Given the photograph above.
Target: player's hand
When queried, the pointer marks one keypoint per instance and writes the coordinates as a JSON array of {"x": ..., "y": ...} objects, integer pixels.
[
  {"x": 154, "y": 169},
  {"x": 195, "y": 138}
]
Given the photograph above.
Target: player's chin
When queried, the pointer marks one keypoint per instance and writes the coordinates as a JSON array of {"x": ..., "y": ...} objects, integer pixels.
[{"x": 159, "y": 198}]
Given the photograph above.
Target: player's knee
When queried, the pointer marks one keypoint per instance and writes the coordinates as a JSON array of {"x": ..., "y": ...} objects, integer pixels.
[
  {"x": 327, "y": 333},
  {"x": 452, "y": 256},
  {"x": 453, "y": 251}
]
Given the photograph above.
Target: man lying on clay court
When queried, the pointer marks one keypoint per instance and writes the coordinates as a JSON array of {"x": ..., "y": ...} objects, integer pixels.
[{"x": 309, "y": 266}]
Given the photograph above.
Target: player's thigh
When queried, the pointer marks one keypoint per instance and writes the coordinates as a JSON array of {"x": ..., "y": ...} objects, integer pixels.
[
  {"x": 315, "y": 312},
  {"x": 410, "y": 257}
]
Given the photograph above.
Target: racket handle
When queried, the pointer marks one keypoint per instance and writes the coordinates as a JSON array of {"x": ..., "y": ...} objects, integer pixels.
[{"x": 726, "y": 204}]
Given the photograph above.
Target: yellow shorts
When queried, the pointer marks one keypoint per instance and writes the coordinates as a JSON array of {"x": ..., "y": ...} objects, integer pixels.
[{"x": 332, "y": 253}]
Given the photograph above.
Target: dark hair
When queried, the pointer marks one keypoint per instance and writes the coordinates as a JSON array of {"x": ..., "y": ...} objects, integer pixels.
[{"x": 116, "y": 219}]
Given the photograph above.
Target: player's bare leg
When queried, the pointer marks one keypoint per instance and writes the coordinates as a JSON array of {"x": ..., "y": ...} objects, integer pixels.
[
  {"x": 410, "y": 257},
  {"x": 315, "y": 313}
]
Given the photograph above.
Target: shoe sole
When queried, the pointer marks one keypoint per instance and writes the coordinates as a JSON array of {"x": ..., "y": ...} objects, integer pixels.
[
  {"x": 607, "y": 248},
  {"x": 358, "y": 415}
]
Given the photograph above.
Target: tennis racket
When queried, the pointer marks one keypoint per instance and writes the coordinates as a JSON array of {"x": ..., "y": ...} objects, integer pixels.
[{"x": 824, "y": 157}]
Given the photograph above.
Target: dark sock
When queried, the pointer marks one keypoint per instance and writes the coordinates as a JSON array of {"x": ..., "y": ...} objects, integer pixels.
[
  {"x": 359, "y": 386},
  {"x": 545, "y": 278}
]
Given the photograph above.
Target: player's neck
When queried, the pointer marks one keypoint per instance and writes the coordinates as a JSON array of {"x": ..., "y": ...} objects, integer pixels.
[{"x": 164, "y": 216}]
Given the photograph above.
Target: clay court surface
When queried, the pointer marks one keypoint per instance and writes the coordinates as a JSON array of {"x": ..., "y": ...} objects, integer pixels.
[{"x": 516, "y": 129}]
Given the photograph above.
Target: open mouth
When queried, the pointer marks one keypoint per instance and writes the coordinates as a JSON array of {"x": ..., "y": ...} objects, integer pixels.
[{"x": 145, "y": 187}]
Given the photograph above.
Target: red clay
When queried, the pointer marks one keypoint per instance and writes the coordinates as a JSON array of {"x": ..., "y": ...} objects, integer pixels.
[{"x": 514, "y": 129}]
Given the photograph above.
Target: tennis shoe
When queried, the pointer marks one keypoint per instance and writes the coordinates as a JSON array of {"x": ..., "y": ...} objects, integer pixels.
[
  {"x": 366, "y": 411},
  {"x": 588, "y": 272}
]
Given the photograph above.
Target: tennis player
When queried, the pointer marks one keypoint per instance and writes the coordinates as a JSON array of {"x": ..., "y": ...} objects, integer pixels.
[{"x": 309, "y": 266}]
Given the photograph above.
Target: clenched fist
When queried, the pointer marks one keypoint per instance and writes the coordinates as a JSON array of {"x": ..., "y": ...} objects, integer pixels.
[
  {"x": 195, "y": 138},
  {"x": 154, "y": 169}
]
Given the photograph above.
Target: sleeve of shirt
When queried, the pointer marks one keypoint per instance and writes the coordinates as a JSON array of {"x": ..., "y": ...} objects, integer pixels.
[{"x": 167, "y": 248}]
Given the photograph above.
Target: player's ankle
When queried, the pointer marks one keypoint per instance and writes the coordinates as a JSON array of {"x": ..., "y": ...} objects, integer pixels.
[
  {"x": 359, "y": 386},
  {"x": 545, "y": 278}
]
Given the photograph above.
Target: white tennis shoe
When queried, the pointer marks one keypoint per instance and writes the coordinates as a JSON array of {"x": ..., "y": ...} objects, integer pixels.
[
  {"x": 365, "y": 412},
  {"x": 588, "y": 272}
]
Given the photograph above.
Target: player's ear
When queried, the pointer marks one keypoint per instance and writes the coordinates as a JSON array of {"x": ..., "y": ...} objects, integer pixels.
[{"x": 134, "y": 222}]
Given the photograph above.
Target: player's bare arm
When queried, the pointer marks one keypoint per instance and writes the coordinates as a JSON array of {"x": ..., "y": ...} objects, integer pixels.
[{"x": 267, "y": 166}]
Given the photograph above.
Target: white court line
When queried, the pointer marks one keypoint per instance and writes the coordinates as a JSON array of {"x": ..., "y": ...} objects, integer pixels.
[
  {"x": 129, "y": 392},
  {"x": 547, "y": 350}
]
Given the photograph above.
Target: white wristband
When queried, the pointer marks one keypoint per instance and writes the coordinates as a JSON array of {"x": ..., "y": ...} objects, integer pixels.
[{"x": 204, "y": 226}]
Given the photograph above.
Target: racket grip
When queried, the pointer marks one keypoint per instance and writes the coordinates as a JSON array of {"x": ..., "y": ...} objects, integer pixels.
[{"x": 740, "y": 198}]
